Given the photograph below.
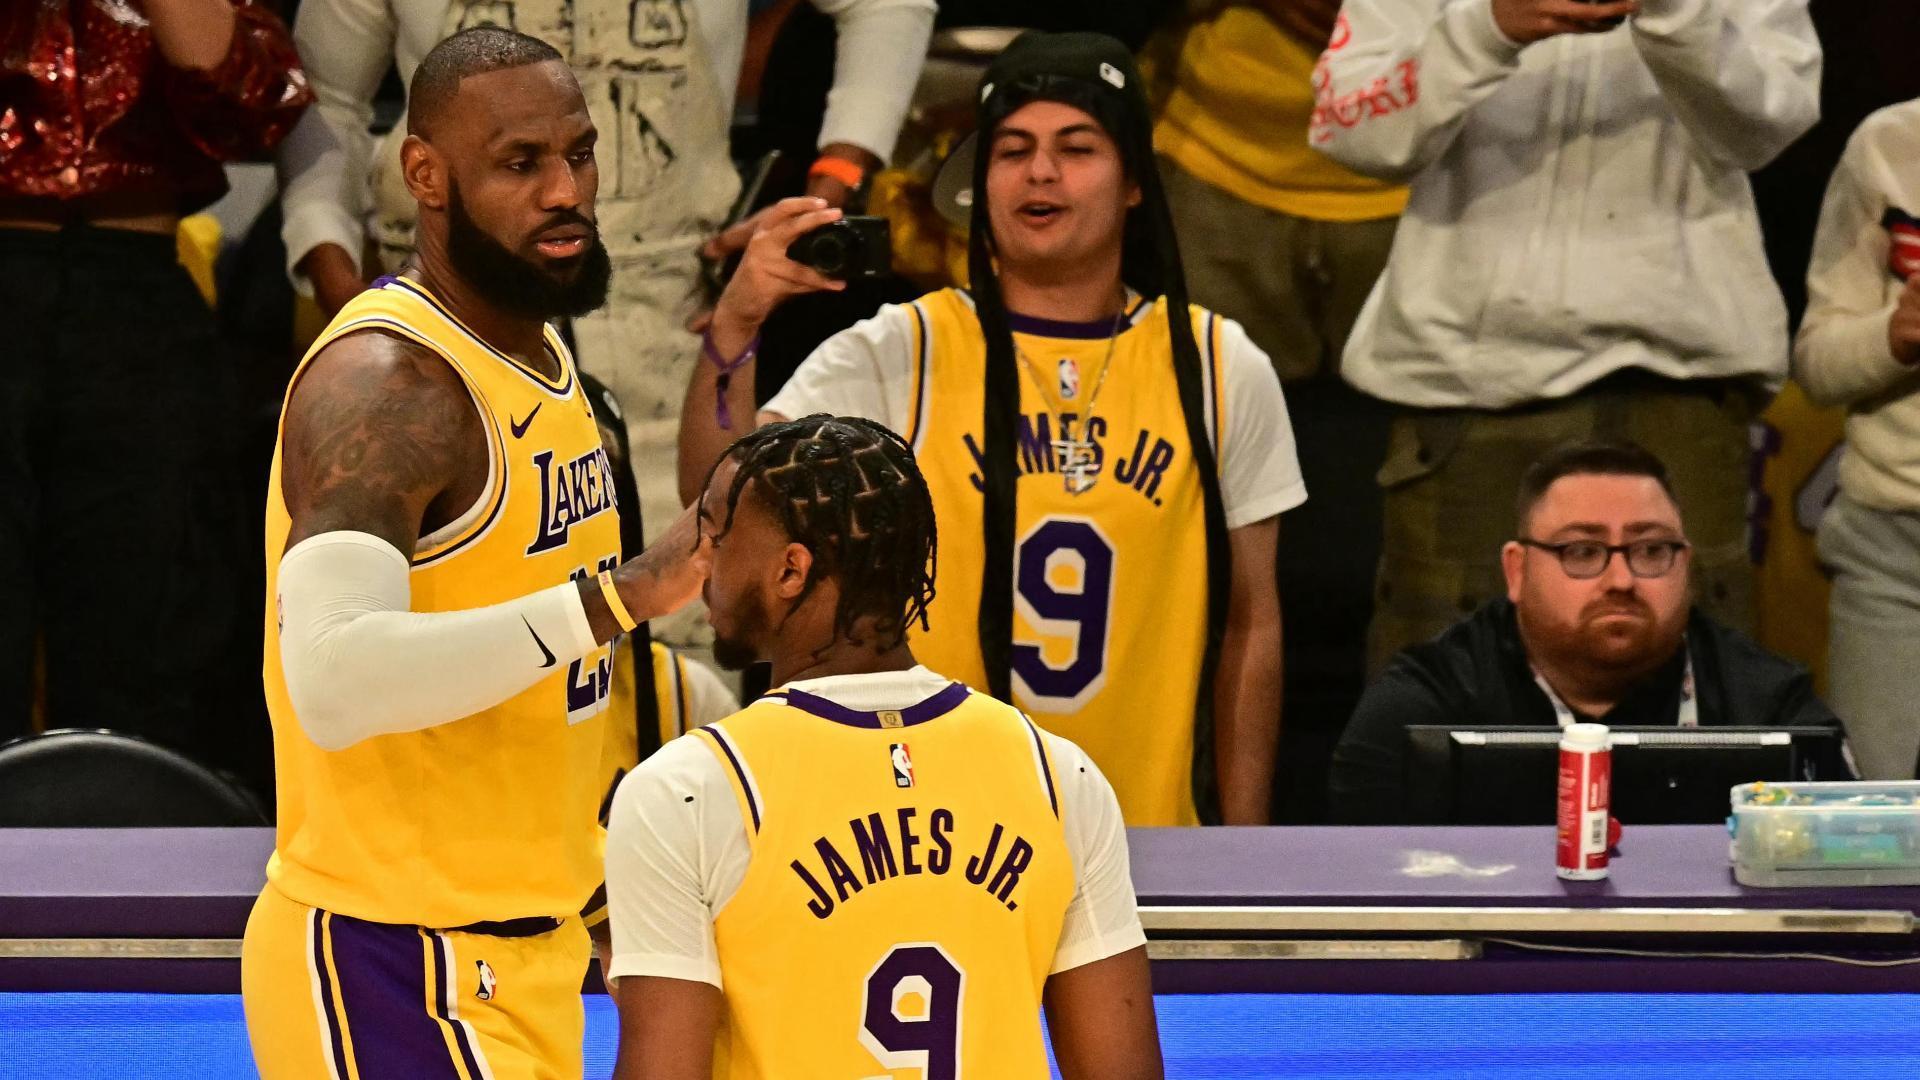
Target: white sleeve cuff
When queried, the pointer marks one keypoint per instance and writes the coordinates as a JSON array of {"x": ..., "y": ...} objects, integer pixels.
[
  {"x": 1267, "y": 506},
  {"x": 665, "y": 967},
  {"x": 311, "y": 223},
  {"x": 1094, "y": 950},
  {"x": 882, "y": 44},
  {"x": 1483, "y": 31}
]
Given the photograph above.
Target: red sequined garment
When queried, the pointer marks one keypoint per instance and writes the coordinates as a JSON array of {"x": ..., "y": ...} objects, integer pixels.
[{"x": 88, "y": 106}]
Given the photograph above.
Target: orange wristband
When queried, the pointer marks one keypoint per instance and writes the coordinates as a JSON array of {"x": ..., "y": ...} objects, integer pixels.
[{"x": 839, "y": 169}]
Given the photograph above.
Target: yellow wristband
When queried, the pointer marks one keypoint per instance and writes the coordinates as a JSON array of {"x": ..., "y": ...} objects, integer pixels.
[{"x": 614, "y": 604}]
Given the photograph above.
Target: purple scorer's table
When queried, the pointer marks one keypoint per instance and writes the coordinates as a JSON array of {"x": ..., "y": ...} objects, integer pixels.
[{"x": 1277, "y": 910}]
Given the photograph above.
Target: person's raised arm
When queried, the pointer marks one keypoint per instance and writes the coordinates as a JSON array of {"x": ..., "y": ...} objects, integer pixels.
[
  {"x": 191, "y": 34},
  {"x": 879, "y": 48},
  {"x": 232, "y": 80},
  {"x": 719, "y": 405},
  {"x": 1855, "y": 343},
  {"x": 380, "y": 436},
  {"x": 1743, "y": 75},
  {"x": 1399, "y": 76},
  {"x": 323, "y": 163}
]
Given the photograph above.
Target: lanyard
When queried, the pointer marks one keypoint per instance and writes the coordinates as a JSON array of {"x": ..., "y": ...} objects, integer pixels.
[{"x": 1689, "y": 701}]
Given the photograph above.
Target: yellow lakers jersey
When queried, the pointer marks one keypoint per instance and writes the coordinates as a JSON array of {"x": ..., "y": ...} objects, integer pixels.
[
  {"x": 623, "y": 749},
  {"x": 903, "y": 901},
  {"x": 490, "y": 817},
  {"x": 1110, "y": 596}
]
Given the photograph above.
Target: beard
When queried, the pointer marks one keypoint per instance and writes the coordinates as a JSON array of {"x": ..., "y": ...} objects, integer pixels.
[
  {"x": 1628, "y": 647},
  {"x": 735, "y": 653},
  {"x": 519, "y": 285}
]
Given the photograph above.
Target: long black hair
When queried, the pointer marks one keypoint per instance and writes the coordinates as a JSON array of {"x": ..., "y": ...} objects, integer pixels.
[
  {"x": 851, "y": 492},
  {"x": 1030, "y": 70}
]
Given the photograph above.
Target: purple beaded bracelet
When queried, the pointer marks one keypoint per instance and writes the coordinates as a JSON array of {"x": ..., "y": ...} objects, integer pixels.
[{"x": 721, "y": 414}]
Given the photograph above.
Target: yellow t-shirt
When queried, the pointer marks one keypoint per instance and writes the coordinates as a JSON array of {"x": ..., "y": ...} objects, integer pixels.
[{"x": 1236, "y": 117}]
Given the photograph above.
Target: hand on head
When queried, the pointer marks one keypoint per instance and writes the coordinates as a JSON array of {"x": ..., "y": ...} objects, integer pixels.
[{"x": 675, "y": 565}]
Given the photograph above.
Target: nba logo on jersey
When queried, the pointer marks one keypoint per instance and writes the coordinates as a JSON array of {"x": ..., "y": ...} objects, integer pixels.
[
  {"x": 487, "y": 981},
  {"x": 902, "y": 765},
  {"x": 1069, "y": 379}
]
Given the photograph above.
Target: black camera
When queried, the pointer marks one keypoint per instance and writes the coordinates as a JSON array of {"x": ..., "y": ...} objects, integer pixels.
[{"x": 853, "y": 247}]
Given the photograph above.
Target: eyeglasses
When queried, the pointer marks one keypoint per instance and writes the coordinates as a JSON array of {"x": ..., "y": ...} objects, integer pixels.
[{"x": 1586, "y": 559}]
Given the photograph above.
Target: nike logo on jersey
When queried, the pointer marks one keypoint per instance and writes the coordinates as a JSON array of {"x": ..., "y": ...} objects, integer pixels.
[
  {"x": 544, "y": 651},
  {"x": 520, "y": 426}
]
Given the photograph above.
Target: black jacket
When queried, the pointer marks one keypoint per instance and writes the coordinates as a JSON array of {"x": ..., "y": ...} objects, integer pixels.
[{"x": 1476, "y": 673}]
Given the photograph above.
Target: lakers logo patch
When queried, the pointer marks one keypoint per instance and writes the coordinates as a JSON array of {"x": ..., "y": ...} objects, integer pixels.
[{"x": 902, "y": 765}]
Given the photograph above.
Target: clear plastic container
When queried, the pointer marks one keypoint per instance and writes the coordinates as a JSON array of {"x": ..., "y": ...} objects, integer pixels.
[{"x": 1856, "y": 832}]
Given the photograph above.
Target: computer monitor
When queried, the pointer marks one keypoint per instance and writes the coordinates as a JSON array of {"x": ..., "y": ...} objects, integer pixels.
[{"x": 1661, "y": 775}]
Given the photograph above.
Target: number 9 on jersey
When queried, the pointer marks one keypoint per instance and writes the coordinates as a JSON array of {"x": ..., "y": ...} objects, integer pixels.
[{"x": 911, "y": 1011}]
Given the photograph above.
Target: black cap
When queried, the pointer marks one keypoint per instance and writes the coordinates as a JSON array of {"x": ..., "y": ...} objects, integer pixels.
[
  {"x": 1024, "y": 70},
  {"x": 1088, "y": 71}
]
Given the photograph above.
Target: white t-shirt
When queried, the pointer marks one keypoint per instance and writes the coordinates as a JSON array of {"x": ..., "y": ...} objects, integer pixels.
[
  {"x": 677, "y": 847},
  {"x": 866, "y": 370}
]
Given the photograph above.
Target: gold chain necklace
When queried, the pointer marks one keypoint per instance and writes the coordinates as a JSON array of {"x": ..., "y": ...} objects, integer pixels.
[{"x": 1075, "y": 459}]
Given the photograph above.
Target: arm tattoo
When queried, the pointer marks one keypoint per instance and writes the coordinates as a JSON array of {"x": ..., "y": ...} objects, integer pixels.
[{"x": 377, "y": 430}]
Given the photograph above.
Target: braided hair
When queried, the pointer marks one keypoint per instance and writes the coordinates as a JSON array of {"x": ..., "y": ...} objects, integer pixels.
[
  {"x": 850, "y": 491},
  {"x": 1150, "y": 264}
]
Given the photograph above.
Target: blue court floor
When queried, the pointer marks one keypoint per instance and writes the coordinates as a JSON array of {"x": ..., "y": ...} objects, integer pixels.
[{"x": 1216, "y": 1037}]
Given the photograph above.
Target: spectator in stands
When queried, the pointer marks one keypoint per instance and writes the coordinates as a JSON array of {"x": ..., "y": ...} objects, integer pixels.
[
  {"x": 659, "y": 76},
  {"x": 1288, "y": 242},
  {"x": 1107, "y": 529},
  {"x": 1276, "y": 235},
  {"x": 118, "y": 526},
  {"x": 1580, "y": 256},
  {"x": 1597, "y": 625},
  {"x": 1860, "y": 347}
]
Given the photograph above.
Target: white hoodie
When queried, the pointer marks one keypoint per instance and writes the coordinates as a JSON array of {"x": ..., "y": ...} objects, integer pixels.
[
  {"x": 1579, "y": 205},
  {"x": 1867, "y": 245}
]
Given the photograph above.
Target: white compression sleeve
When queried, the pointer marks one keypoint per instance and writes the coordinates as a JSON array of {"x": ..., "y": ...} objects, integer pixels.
[{"x": 358, "y": 663}]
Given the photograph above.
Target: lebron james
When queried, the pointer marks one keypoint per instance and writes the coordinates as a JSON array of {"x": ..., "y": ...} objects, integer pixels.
[{"x": 443, "y": 558}]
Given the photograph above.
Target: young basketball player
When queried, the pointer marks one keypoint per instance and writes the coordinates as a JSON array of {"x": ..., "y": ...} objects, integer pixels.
[
  {"x": 443, "y": 554},
  {"x": 1111, "y": 460},
  {"x": 872, "y": 868}
]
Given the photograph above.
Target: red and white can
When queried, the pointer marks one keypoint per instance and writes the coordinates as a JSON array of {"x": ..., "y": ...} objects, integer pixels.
[{"x": 1586, "y": 774}]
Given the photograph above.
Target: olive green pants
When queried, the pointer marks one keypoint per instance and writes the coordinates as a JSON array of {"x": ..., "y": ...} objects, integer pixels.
[{"x": 1451, "y": 478}]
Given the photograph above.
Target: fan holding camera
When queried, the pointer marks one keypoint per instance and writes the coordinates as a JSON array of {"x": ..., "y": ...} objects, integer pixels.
[{"x": 1097, "y": 448}]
